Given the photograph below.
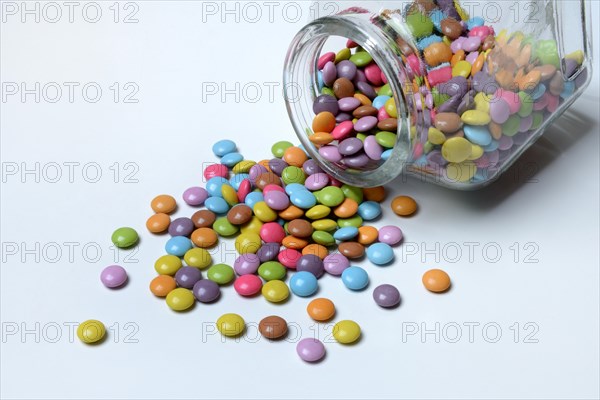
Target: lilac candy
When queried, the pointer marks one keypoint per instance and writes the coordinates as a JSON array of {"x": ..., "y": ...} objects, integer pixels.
[
  {"x": 326, "y": 102},
  {"x": 472, "y": 57},
  {"x": 195, "y": 196},
  {"x": 335, "y": 264},
  {"x": 372, "y": 149},
  {"x": 365, "y": 124},
  {"x": 471, "y": 44},
  {"x": 181, "y": 227},
  {"x": 256, "y": 171},
  {"x": 246, "y": 264},
  {"x": 310, "y": 349},
  {"x": 350, "y": 146},
  {"x": 429, "y": 101},
  {"x": 348, "y": 103},
  {"x": 356, "y": 161},
  {"x": 346, "y": 69},
  {"x": 524, "y": 125},
  {"x": 386, "y": 296},
  {"x": 277, "y": 200},
  {"x": 436, "y": 159},
  {"x": 457, "y": 44},
  {"x": 483, "y": 82},
  {"x": 113, "y": 276},
  {"x": 505, "y": 142},
  {"x": 268, "y": 252},
  {"x": 520, "y": 138},
  {"x": 367, "y": 90},
  {"x": 570, "y": 66},
  {"x": 317, "y": 181},
  {"x": 277, "y": 165},
  {"x": 467, "y": 103},
  {"x": 310, "y": 263},
  {"x": 341, "y": 117},
  {"x": 360, "y": 77},
  {"x": 187, "y": 277},
  {"x": 311, "y": 167},
  {"x": 499, "y": 110},
  {"x": 450, "y": 105},
  {"x": 330, "y": 153},
  {"x": 206, "y": 291},
  {"x": 329, "y": 73},
  {"x": 390, "y": 234},
  {"x": 456, "y": 85}
]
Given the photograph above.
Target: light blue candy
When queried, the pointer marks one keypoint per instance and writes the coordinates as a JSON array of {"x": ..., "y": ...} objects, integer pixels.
[
  {"x": 252, "y": 198},
  {"x": 369, "y": 210},
  {"x": 178, "y": 245},
  {"x": 426, "y": 41},
  {"x": 214, "y": 185},
  {"x": 218, "y": 205},
  {"x": 568, "y": 90},
  {"x": 346, "y": 233},
  {"x": 230, "y": 159},
  {"x": 303, "y": 284},
  {"x": 479, "y": 135},
  {"x": 303, "y": 199},
  {"x": 320, "y": 80},
  {"x": 291, "y": 188},
  {"x": 237, "y": 179},
  {"x": 538, "y": 92},
  {"x": 481, "y": 175},
  {"x": 355, "y": 278},
  {"x": 421, "y": 161},
  {"x": 379, "y": 101},
  {"x": 475, "y": 22},
  {"x": 491, "y": 147},
  {"x": 223, "y": 147},
  {"x": 380, "y": 253},
  {"x": 436, "y": 17},
  {"x": 386, "y": 154}
]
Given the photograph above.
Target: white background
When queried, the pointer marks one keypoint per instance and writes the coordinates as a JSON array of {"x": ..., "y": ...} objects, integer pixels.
[{"x": 166, "y": 137}]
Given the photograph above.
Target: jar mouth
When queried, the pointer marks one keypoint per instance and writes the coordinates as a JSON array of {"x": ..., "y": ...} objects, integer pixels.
[{"x": 300, "y": 75}]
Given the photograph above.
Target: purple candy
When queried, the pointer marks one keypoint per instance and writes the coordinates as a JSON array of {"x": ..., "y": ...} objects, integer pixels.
[
  {"x": 346, "y": 69},
  {"x": 246, "y": 264},
  {"x": 330, "y": 153},
  {"x": 471, "y": 44},
  {"x": 317, "y": 181},
  {"x": 365, "y": 124},
  {"x": 356, "y": 161},
  {"x": 255, "y": 172},
  {"x": 181, "y": 227},
  {"x": 456, "y": 85},
  {"x": 329, "y": 73},
  {"x": 499, "y": 110},
  {"x": 472, "y": 57},
  {"x": 467, "y": 103},
  {"x": 505, "y": 142},
  {"x": 360, "y": 77},
  {"x": 570, "y": 66},
  {"x": 311, "y": 167},
  {"x": 335, "y": 264},
  {"x": 390, "y": 234},
  {"x": 436, "y": 159},
  {"x": 326, "y": 102},
  {"x": 386, "y": 296},
  {"x": 482, "y": 82},
  {"x": 113, "y": 276},
  {"x": 349, "y": 103},
  {"x": 195, "y": 196},
  {"x": 268, "y": 252},
  {"x": 366, "y": 89},
  {"x": 341, "y": 117},
  {"x": 206, "y": 291},
  {"x": 277, "y": 165},
  {"x": 350, "y": 146},
  {"x": 451, "y": 105},
  {"x": 187, "y": 277},
  {"x": 310, "y": 263},
  {"x": 277, "y": 200},
  {"x": 457, "y": 44},
  {"x": 493, "y": 157},
  {"x": 372, "y": 149},
  {"x": 310, "y": 349}
]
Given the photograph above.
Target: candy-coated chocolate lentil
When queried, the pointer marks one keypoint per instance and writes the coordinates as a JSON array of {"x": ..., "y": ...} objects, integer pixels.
[
  {"x": 204, "y": 237},
  {"x": 380, "y": 253},
  {"x": 247, "y": 285},
  {"x": 367, "y": 235},
  {"x": 218, "y": 205},
  {"x": 113, "y": 276},
  {"x": 294, "y": 156},
  {"x": 347, "y": 209},
  {"x": 178, "y": 245},
  {"x": 162, "y": 285},
  {"x": 263, "y": 212},
  {"x": 355, "y": 278},
  {"x": 351, "y": 250},
  {"x": 243, "y": 167},
  {"x": 216, "y": 170},
  {"x": 181, "y": 227},
  {"x": 279, "y": 148},
  {"x": 203, "y": 218},
  {"x": 163, "y": 204},
  {"x": 436, "y": 280},
  {"x": 292, "y": 242},
  {"x": 310, "y": 263},
  {"x": 221, "y": 274},
  {"x": 303, "y": 284},
  {"x": 231, "y": 159},
  {"x": 355, "y": 221},
  {"x": 386, "y": 296},
  {"x": 315, "y": 249},
  {"x": 323, "y": 238},
  {"x": 91, "y": 331},
  {"x": 327, "y": 225},
  {"x": 289, "y": 257},
  {"x": 158, "y": 223},
  {"x": 206, "y": 291},
  {"x": 229, "y": 195},
  {"x": 231, "y": 325},
  {"x": 180, "y": 299},
  {"x": 335, "y": 264},
  {"x": 197, "y": 257},
  {"x": 321, "y": 309},
  {"x": 246, "y": 264},
  {"x": 272, "y": 270},
  {"x": 239, "y": 215},
  {"x": 404, "y": 206},
  {"x": 195, "y": 196},
  {"x": 225, "y": 228},
  {"x": 167, "y": 265},
  {"x": 318, "y": 212},
  {"x": 272, "y": 232},
  {"x": 248, "y": 243},
  {"x": 346, "y": 331},
  {"x": 352, "y": 193},
  {"x": 124, "y": 237},
  {"x": 254, "y": 225},
  {"x": 187, "y": 277},
  {"x": 390, "y": 235},
  {"x": 369, "y": 210},
  {"x": 223, "y": 147},
  {"x": 347, "y": 233},
  {"x": 310, "y": 350},
  {"x": 275, "y": 291},
  {"x": 273, "y": 327},
  {"x": 268, "y": 252}
]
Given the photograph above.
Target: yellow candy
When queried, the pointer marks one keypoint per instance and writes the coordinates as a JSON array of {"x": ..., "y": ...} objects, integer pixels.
[
  {"x": 346, "y": 332},
  {"x": 456, "y": 149},
  {"x": 318, "y": 212},
  {"x": 577, "y": 56},
  {"x": 475, "y": 117},
  {"x": 264, "y": 213},
  {"x": 461, "y": 172},
  {"x": 231, "y": 325},
  {"x": 390, "y": 108},
  {"x": 229, "y": 194},
  {"x": 462, "y": 13},
  {"x": 243, "y": 167},
  {"x": 435, "y": 136},
  {"x": 502, "y": 37},
  {"x": 247, "y": 243},
  {"x": 461, "y": 68},
  {"x": 476, "y": 152},
  {"x": 197, "y": 257},
  {"x": 253, "y": 225},
  {"x": 275, "y": 291},
  {"x": 327, "y": 225},
  {"x": 167, "y": 265},
  {"x": 447, "y": 40},
  {"x": 413, "y": 132},
  {"x": 91, "y": 331},
  {"x": 482, "y": 102},
  {"x": 180, "y": 299}
]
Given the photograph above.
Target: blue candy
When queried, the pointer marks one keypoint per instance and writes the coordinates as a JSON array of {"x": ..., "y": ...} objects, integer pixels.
[
  {"x": 237, "y": 179},
  {"x": 436, "y": 17},
  {"x": 223, "y": 147},
  {"x": 345, "y": 233},
  {"x": 355, "y": 278},
  {"x": 478, "y": 134},
  {"x": 568, "y": 90},
  {"x": 291, "y": 188},
  {"x": 491, "y": 147},
  {"x": 475, "y": 22},
  {"x": 320, "y": 80},
  {"x": 380, "y": 253},
  {"x": 218, "y": 205},
  {"x": 252, "y": 198},
  {"x": 369, "y": 210},
  {"x": 538, "y": 92},
  {"x": 214, "y": 185},
  {"x": 426, "y": 41},
  {"x": 303, "y": 284},
  {"x": 386, "y": 154},
  {"x": 178, "y": 245},
  {"x": 303, "y": 199},
  {"x": 230, "y": 159},
  {"x": 379, "y": 101}
]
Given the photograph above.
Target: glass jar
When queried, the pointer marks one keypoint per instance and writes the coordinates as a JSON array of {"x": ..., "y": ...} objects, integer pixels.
[{"x": 471, "y": 89}]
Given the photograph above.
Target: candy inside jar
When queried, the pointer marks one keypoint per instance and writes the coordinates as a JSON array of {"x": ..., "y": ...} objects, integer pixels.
[{"x": 428, "y": 89}]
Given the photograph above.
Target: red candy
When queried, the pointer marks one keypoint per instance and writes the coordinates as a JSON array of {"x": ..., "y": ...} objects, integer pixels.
[
  {"x": 351, "y": 44},
  {"x": 244, "y": 189},
  {"x": 247, "y": 285}
]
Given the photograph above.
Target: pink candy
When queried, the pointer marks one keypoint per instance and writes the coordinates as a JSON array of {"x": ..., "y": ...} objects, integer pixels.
[
  {"x": 214, "y": 170},
  {"x": 247, "y": 285},
  {"x": 373, "y": 75},
  {"x": 512, "y": 98},
  {"x": 481, "y": 31},
  {"x": 272, "y": 232},
  {"x": 324, "y": 59},
  {"x": 343, "y": 130},
  {"x": 289, "y": 257},
  {"x": 382, "y": 114},
  {"x": 244, "y": 189},
  {"x": 440, "y": 75}
]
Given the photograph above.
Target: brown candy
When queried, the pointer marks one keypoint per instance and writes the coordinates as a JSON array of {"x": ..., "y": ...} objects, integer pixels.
[
  {"x": 273, "y": 327},
  {"x": 488, "y": 43},
  {"x": 203, "y": 218},
  {"x": 351, "y": 250},
  {"x": 300, "y": 228},
  {"x": 239, "y": 214},
  {"x": 267, "y": 178},
  {"x": 364, "y": 111},
  {"x": 448, "y": 122},
  {"x": 343, "y": 87},
  {"x": 388, "y": 124},
  {"x": 451, "y": 28}
]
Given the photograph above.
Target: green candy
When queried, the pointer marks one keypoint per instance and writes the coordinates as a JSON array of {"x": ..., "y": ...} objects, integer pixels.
[
  {"x": 342, "y": 55},
  {"x": 221, "y": 274},
  {"x": 386, "y": 139},
  {"x": 547, "y": 52},
  {"x": 361, "y": 58},
  {"x": 361, "y": 136},
  {"x": 538, "y": 118},
  {"x": 323, "y": 238},
  {"x": 427, "y": 147},
  {"x": 355, "y": 221},
  {"x": 511, "y": 127},
  {"x": 124, "y": 237},
  {"x": 419, "y": 24},
  {"x": 328, "y": 91},
  {"x": 352, "y": 192},
  {"x": 280, "y": 147},
  {"x": 526, "y": 105},
  {"x": 293, "y": 174},
  {"x": 225, "y": 228},
  {"x": 439, "y": 98},
  {"x": 385, "y": 90},
  {"x": 331, "y": 196},
  {"x": 271, "y": 270}
]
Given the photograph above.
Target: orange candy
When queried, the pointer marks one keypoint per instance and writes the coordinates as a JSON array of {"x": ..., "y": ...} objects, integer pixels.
[
  {"x": 323, "y": 122},
  {"x": 162, "y": 285},
  {"x": 295, "y": 156},
  {"x": 347, "y": 209},
  {"x": 292, "y": 242},
  {"x": 204, "y": 237},
  {"x": 158, "y": 223},
  {"x": 404, "y": 206},
  {"x": 367, "y": 235},
  {"x": 436, "y": 280},
  {"x": 291, "y": 213},
  {"x": 315, "y": 249},
  {"x": 163, "y": 204},
  {"x": 364, "y": 100},
  {"x": 321, "y": 138},
  {"x": 321, "y": 309},
  {"x": 376, "y": 193}
]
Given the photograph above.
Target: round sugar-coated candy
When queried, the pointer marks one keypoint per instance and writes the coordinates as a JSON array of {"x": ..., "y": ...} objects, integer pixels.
[
  {"x": 303, "y": 284},
  {"x": 346, "y": 331},
  {"x": 113, "y": 276},
  {"x": 246, "y": 264},
  {"x": 263, "y": 212},
  {"x": 163, "y": 203},
  {"x": 331, "y": 196},
  {"x": 277, "y": 200},
  {"x": 404, "y": 206},
  {"x": 178, "y": 246},
  {"x": 231, "y": 325},
  {"x": 367, "y": 235},
  {"x": 335, "y": 264},
  {"x": 204, "y": 237},
  {"x": 158, "y": 223},
  {"x": 355, "y": 278},
  {"x": 346, "y": 233},
  {"x": 231, "y": 159},
  {"x": 315, "y": 249},
  {"x": 436, "y": 280},
  {"x": 221, "y": 274},
  {"x": 187, "y": 277},
  {"x": 347, "y": 209},
  {"x": 321, "y": 309},
  {"x": 272, "y": 232},
  {"x": 310, "y": 350},
  {"x": 273, "y": 327},
  {"x": 124, "y": 237},
  {"x": 272, "y": 270},
  {"x": 289, "y": 257},
  {"x": 229, "y": 195},
  {"x": 295, "y": 156},
  {"x": 203, "y": 218},
  {"x": 279, "y": 148},
  {"x": 318, "y": 212},
  {"x": 181, "y": 227},
  {"x": 247, "y": 285},
  {"x": 91, "y": 331},
  {"x": 162, "y": 285},
  {"x": 386, "y": 296},
  {"x": 390, "y": 234},
  {"x": 248, "y": 242},
  {"x": 300, "y": 228},
  {"x": 225, "y": 228},
  {"x": 275, "y": 291},
  {"x": 218, "y": 205},
  {"x": 167, "y": 265},
  {"x": 303, "y": 199},
  {"x": 180, "y": 299},
  {"x": 216, "y": 170},
  {"x": 380, "y": 253},
  {"x": 310, "y": 263},
  {"x": 223, "y": 147},
  {"x": 206, "y": 291},
  {"x": 214, "y": 186},
  {"x": 277, "y": 166},
  {"x": 195, "y": 196},
  {"x": 352, "y": 250},
  {"x": 239, "y": 214},
  {"x": 268, "y": 252},
  {"x": 369, "y": 210},
  {"x": 293, "y": 174},
  {"x": 355, "y": 221}
]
